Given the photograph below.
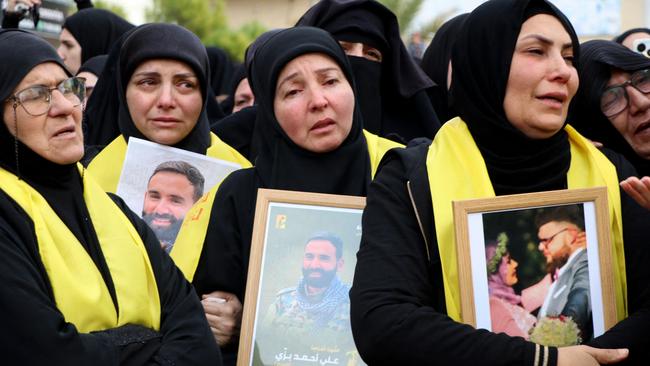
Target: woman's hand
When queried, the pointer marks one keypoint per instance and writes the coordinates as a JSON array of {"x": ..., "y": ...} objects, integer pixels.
[
  {"x": 589, "y": 356},
  {"x": 223, "y": 311},
  {"x": 638, "y": 189}
]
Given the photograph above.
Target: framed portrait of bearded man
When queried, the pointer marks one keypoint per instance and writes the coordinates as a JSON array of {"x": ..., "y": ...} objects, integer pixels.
[
  {"x": 538, "y": 265},
  {"x": 303, "y": 255}
]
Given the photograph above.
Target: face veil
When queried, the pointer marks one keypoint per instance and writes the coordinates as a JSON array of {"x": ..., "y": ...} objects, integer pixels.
[{"x": 280, "y": 162}]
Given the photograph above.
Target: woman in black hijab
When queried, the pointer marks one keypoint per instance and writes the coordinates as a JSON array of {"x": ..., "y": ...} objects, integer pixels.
[
  {"x": 221, "y": 70},
  {"x": 510, "y": 137},
  {"x": 88, "y": 33},
  {"x": 616, "y": 115},
  {"x": 83, "y": 279},
  {"x": 395, "y": 83},
  {"x": 622, "y": 128},
  {"x": 312, "y": 141},
  {"x": 436, "y": 63},
  {"x": 237, "y": 129},
  {"x": 143, "y": 111},
  {"x": 239, "y": 92},
  {"x": 90, "y": 71}
]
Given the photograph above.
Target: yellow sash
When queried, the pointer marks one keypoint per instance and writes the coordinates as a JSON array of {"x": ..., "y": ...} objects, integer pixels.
[
  {"x": 454, "y": 154},
  {"x": 106, "y": 167},
  {"x": 79, "y": 289},
  {"x": 189, "y": 242}
]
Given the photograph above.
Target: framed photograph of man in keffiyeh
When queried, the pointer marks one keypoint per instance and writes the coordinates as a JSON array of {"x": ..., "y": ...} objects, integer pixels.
[
  {"x": 539, "y": 265},
  {"x": 303, "y": 255}
]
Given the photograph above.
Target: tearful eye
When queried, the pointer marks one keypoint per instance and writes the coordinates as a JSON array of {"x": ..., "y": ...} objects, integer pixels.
[
  {"x": 187, "y": 84},
  {"x": 146, "y": 82},
  {"x": 291, "y": 93}
]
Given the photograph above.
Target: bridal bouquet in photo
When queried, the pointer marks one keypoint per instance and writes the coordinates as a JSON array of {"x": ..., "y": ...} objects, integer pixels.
[{"x": 557, "y": 331}]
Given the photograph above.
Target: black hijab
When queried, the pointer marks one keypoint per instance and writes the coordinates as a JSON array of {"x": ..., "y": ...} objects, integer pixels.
[
  {"x": 238, "y": 129},
  {"x": 164, "y": 41},
  {"x": 397, "y": 83},
  {"x": 21, "y": 52},
  {"x": 435, "y": 64},
  {"x": 95, "y": 30},
  {"x": 60, "y": 185},
  {"x": 238, "y": 75},
  {"x": 94, "y": 65},
  {"x": 515, "y": 162},
  {"x": 621, "y": 37},
  {"x": 221, "y": 70},
  {"x": 102, "y": 107},
  {"x": 281, "y": 164},
  {"x": 597, "y": 59}
]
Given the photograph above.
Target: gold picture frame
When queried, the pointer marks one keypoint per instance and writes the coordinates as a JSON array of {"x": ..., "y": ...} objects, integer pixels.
[
  {"x": 483, "y": 243},
  {"x": 285, "y": 222}
]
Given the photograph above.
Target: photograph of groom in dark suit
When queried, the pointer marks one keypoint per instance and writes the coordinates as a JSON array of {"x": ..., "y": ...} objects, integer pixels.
[{"x": 562, "y": 241}]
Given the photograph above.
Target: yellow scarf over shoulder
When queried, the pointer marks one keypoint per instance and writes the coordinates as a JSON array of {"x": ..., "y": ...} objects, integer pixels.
[
  {"x": 79, "y": 290},
  {"x": 454, "y": 154},
  {"x": 189, "y": 242},
  {"x": 106, "y": 167}
]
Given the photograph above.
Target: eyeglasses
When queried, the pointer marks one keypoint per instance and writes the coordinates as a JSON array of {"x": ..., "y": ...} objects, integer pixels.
[
  {"x": 546, "y": 241},
  {"x": 37, "y": 100},
  {"x": 615, "y": 99}
]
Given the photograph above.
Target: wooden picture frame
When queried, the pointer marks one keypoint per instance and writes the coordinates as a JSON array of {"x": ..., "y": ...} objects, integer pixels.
[
  {"x": 282, "y": 247},
  {"x": 488, "y": 264}
]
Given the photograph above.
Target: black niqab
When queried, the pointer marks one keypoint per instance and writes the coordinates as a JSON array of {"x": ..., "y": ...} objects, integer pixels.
[
  {"x": 406, "y": 110},
  {"x": 597, "y": 59},
  {"x": 281, "y": 164},
  {"x": 435, "y": 63},
  {"x": 164, "y": 41},
  {"x": 96, "y": 30},
  {"x": 60, "y": 185},
  {"x": 515, "y": 162}
]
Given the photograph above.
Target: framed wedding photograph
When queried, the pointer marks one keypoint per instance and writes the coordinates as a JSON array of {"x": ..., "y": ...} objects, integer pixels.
[
  {"x": 303, "y": 255},
  {"x": 537, "y": 265}
]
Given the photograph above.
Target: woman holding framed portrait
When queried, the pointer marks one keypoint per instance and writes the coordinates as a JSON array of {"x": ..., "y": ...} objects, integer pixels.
[
  {"x": 511, "y": 137},
  {"x": 159, "y": 77},
  {"x": 312, "y": 140}
]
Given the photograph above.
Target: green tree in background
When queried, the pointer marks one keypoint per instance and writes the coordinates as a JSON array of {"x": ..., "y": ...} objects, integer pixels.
[
  {"x": 406, "y": 10},
  {"x": 117, "y": 9},
  {"x": 206, "y": 18}
]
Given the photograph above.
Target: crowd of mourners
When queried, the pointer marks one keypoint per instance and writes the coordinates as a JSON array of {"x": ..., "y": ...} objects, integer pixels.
[{"x": 505, "y": 100}]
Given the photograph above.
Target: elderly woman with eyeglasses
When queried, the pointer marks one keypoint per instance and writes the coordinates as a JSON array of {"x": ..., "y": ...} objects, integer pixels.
[
  {"x": 82, "y": 279},
  {"x": 612, "y": 107}
]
